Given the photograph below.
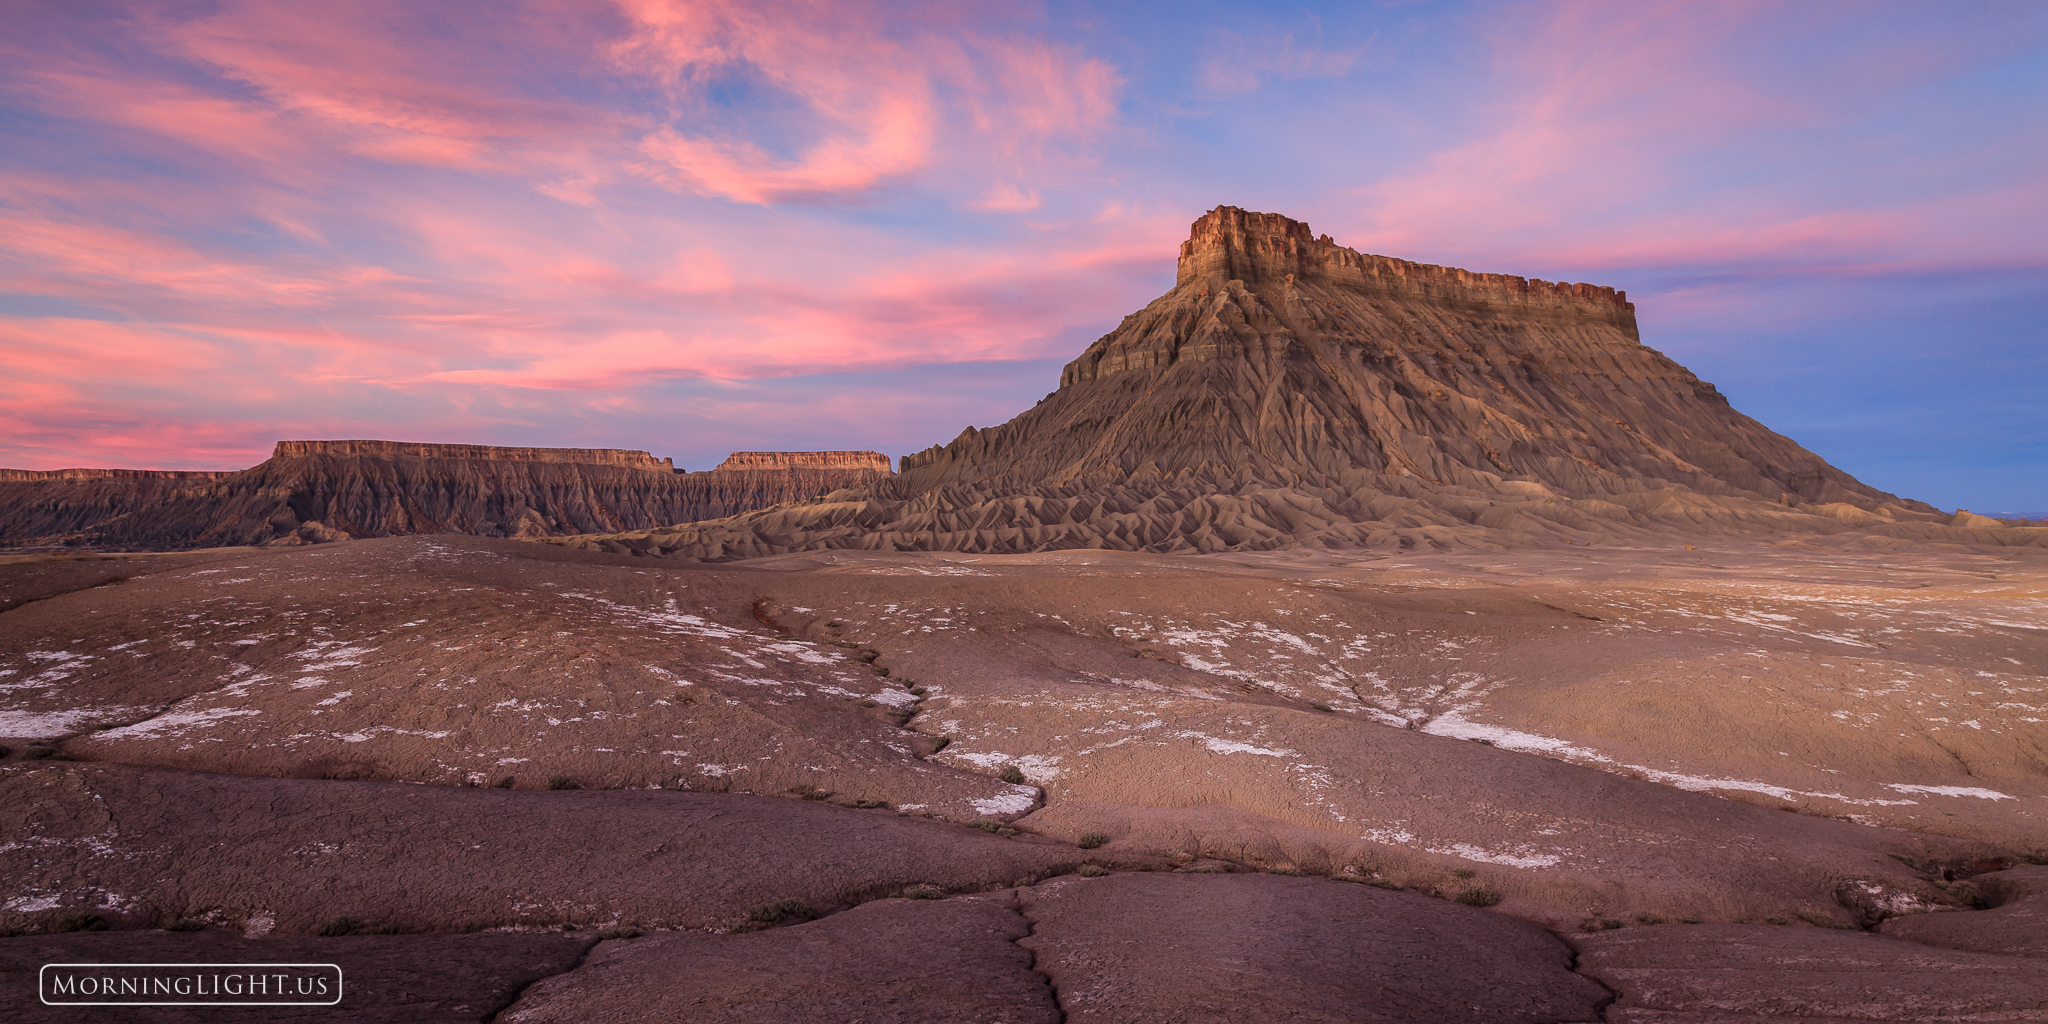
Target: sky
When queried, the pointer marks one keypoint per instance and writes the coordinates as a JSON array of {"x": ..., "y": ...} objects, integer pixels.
[{"x": 693, "y": 228}]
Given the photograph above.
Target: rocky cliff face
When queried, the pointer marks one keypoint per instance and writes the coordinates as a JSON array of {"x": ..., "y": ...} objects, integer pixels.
[
  {"x": 1290, "y": 391},
  {"x": 317, "y": 491},
  {"x": 870, "y": 461}
]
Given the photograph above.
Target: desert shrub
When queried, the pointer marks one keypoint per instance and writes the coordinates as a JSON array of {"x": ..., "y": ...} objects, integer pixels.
[
  {"x": 384, "y": 928},
  {"x": 1688, "y": 920},
  {"x": 867, "y": 703},
  {"x": 1011, "y": 774},
  {"x": 506, "y": 782},
  {"x": 1026, "y": 882},
  {"x": 1293, "y": 872},
  {"x": 338, "y": 926},
  {"x": 1325, "y": 708},
  {"x": 996, "y": 828},
  {"x": 1603, "y": 924},
  {"x": 1777, "y": 920},
  {"x": 2031, "y": 857},
  {"x": 1092, "y": 871},
  {"x": 863, "y": 805},
  {"x": 562, "y": 782},
  {"x": 79, "y": 923},
  {"x": 941, "y": 743},
  {"x": 1820, "y": 920},
  {"x": 917, "y": 691},
  {"x": 185, "y": 924},
  {"x": 1482, "y": 741},
  {"x": 1649, "y": 919},
  {"x": 809, "y": 792},
  {"x": 1091, "y": 840},
  {"x": 619, "y": 932},
  {"x": 38, "y": 753},
  {"x": 1463, "y": 873},
  {"x": 1477, "y": 897},
  {"x": 924, "y": 892},
  {"x": 789, "y": 911}
]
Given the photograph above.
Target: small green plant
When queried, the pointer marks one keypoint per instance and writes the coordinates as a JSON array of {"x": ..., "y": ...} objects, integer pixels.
[
  {"x": 1600, "y": 924},
  {"x": 1477, "y": 897},
  {"x": 1092, "y": 871},
  {"x": 789, "y": 911},
  {"x": 1462, "y": 872},
  {"x": 1011, "y": 774},
  {"x": 506, "y": 782},
  {"x": 1026, "y": 882},
  {"x": 1649, "y": 919},
  {"x": 185, "y": 924},
  {"x": 338, "y": 926},
  {"x": 1092, "y": 840},
  {"x": 996, "y": 828},
  {"x": 79, "y": 923},
  {"x": 809, "y": 792},
  {"x": 834, "y": 624},
  {"x": 619, "y": 932},
  {"x": 924, "y": 892},
  {"x": 1688, "y": 920},
  {"x": 2030, "y": 857},
  {"x": 1777, "y": 920}
]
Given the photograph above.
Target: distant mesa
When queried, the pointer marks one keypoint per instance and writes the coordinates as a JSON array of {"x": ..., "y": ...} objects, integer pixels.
[
  {"x": 311, "y": 492},
  {"x": 1290, "y": 392}
]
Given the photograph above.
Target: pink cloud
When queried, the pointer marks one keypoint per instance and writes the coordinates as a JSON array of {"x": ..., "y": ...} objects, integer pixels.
[{"x": 872, "y": 98}]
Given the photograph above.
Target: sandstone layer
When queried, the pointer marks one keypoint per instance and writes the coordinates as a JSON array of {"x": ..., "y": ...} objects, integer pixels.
[
  {"x": 322, "y": 491},
  {"x": 1290, "y": 392}
]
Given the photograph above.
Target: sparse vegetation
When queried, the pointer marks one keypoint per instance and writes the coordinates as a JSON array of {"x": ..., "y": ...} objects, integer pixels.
[
  {"x": 1092, "y": 871},
  {"x": 1482, "y": 742},
  {"x": 38, "y": 753},
  {"x": 1649, "y": 919},
  {"x": 809, "y": 792},
  {"x": 924, "y": 892},
  {"x": 1777, "y": 920},
  {"x": 562, "y": 782},
  {"x": 79, "y": 923},
  {"x": 1462, "y": 873},
  {"x": 506, "y": 782},
  {"x": 1292, "y": 872},
  {"x": 338, "y": 926},
  {"x": 619, "y": 932},
  {"x": 185, "y": 924},
  {"x": 1011, "y": 774},
  {"x": 917, "y": 691},
  {"x": 1092, "y": 840},
  {"x": 1820, "y": 920},
  {"x": 867, "y": 703},
  {"x": 2034, "y": 857},
  {"x": 1478, "y": 897},
  {"x": 1324, "y": 708},
  {"x": 941, "y": 743},
  {"x": 1600, "y": 924},
  {"x": 786, "y": 911},
  {"x": 996, "y": 828},
  {"x": 862, "y": 805}
]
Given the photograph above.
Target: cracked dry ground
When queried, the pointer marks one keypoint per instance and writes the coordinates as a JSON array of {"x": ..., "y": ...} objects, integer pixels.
[{"x": 1832, "y": 762}]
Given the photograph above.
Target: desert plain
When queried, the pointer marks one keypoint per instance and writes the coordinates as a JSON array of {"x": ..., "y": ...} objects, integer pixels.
[{"x": 1778, "y": 780}]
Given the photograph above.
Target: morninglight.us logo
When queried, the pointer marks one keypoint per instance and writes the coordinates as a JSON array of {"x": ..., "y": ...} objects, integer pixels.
[{"x": 190, "y": 984}]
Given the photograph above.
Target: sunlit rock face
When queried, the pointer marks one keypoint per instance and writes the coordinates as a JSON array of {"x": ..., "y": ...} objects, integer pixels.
[
  {"x": 322, "y": 491},
  {"x": 1291, "y": 392}
]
